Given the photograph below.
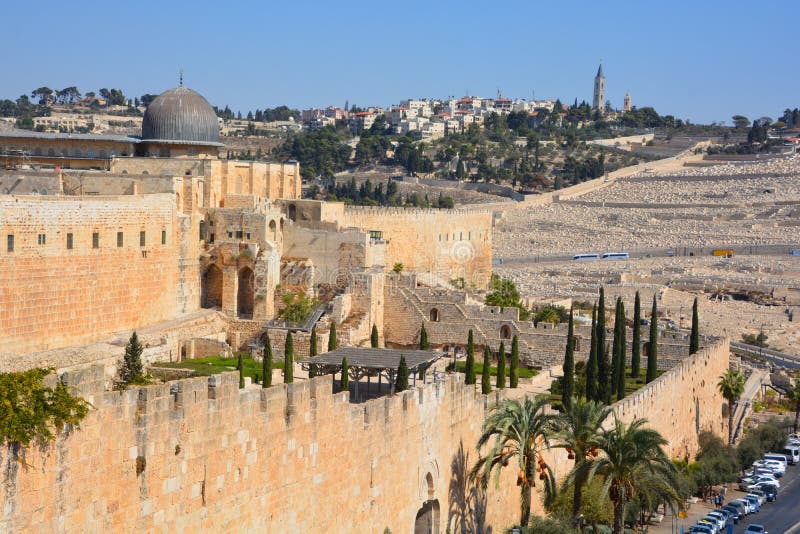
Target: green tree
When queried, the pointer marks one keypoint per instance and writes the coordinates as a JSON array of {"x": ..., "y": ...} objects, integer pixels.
[
  {"x": 520, "y": 430},
  {"x": 503, "y": 293},
  {"x": 629, "y": 455},
  {"x": 266, "y": 362},
  {"x": 636, "y": 354},
  {"x": 423, "y": 338},
  {"x": 296, "y": 306},
  {"x": 373, "y": 338},
  {"x": 694, "y": 340},
  {"x": 332, "y": 344},
  {"x": 469, "y": 371},
  {"x": 345, "y": 381},
  {"x": 486, "y": 384},
  {"x": 578, "y": 431},
  {"x": 615, "y": 347},
  {"x": 312, "y": 351},
  {"x": 397, "y": 267},
  {"x": 501, "y": 367},
  {"x": 592, "y": 390},
  {"x": 32, "y": 412},
  {"x": 288, "y": 358},
  {"x": 513, "y": 379},
  {"x": 604, "y": 386},
  {"x": 241, "y": 372},
  {"x": 741, "y": 122},
  {"x": 623, "y": 346},
  {"x": 731, "y": 386},
  {"x": 401, "y": 381},
  {"x": 568, "y": 381},
  {"x": 652, "y": 355},
  {"x": 239, "y": 362},
  {"x": 794, "y": 398},
  {"x": 131, "y": 371}
]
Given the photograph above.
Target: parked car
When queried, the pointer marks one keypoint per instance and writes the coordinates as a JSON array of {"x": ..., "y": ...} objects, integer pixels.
[
  {"x": 773, "y": 465},
  {"x": 734, "y": 512},
  {"x": 779, "y": 457},
  {"x": 754, "y": 502},
  {"x": 718, "y": 518},
  {"x": 701, "y": 529},
  {"x": 755, "y": 529},
  {"x": 748, "y": 509},
  {"x": 762, "y": 497},
  {"x": 710, "y": 523}
]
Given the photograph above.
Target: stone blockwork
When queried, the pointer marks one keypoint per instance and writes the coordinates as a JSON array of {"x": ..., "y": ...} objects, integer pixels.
[
  {"x": 58, "y": 289},
  {"x": 291, "y": 458}
]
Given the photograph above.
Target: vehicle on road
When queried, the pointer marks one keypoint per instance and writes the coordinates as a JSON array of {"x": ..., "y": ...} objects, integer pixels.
[
  {"x": 616, "y": 256},
  {"x": 585, "y": 257},
  {"x": 762, "y": 497},
  {"x": 773, "y": 465},
  {"x": 792, "y": 452},
  {"x": 718, "y": 518},
  {"x": 710, "y": 523},
  {"x": 777, "y": 457},
  {"x": 701, "y": 529},
  {"x": 748, "y": 508},
  {"x": 755, "y": 503},
  {"x": 734, "y": 512},
  {"x": 723, "y": 252},
  {"x": 755, "y": 529},
  {"x": 770, "y": 489}
]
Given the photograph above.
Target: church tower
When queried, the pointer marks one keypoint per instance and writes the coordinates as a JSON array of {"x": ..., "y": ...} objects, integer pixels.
[
  {"x": 599, "y": 100},
  {"x": 626, "y": 103}
]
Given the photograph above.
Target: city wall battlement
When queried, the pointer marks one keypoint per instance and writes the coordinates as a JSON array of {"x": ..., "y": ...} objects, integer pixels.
[{"x": 201, "y": 454}]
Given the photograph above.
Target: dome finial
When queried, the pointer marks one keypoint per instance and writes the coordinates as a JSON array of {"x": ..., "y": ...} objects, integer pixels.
[{"x": 181, "y": 77}]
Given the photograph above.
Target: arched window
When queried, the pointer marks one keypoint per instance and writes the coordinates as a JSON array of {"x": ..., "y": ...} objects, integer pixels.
[
  {"x": 212, "y": 288},
  {"x": 292, "y": 212},
  {"x": 434, "y": 315},
  {"x": 246, "y": 293},
  {"x": 274, "y": 229},
  {"x": 505, "y": 332}
]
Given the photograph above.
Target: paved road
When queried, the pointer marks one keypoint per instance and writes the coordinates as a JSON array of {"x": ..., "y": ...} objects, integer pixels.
[{"x": 779, "y": 516}]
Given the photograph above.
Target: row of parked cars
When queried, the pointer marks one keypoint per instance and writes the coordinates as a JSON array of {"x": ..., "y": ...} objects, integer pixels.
[{"x": 761, "y": 484}]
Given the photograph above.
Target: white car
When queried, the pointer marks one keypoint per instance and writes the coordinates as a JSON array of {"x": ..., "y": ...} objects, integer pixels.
[
  {"x": 775, "y": 466},
  {"x": 711, "y": 516},
  {"x": 766, "y": 478}
]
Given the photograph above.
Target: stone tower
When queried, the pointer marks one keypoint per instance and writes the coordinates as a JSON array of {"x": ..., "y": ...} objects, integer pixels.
[
  {"x": 599, "y": 100},
  {"x": 626, "y": 103}
]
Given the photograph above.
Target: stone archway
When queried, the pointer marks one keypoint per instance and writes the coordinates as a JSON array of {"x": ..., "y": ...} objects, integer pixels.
[
  {"x": 244, "y": 298},
  {"x": 292, "y": 212},
  {"x": 434, "y": 315},
  {"x": 427, "y": 520},
  {"x": 212, "y": 288},
  {"x": 505, "y": 332},
  {"x": 273, "y": 228}
]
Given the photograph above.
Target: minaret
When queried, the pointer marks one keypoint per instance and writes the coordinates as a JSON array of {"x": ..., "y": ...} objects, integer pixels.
[
  {"x": 599, "y": 100},
  {"x": 626, "y": 103}
]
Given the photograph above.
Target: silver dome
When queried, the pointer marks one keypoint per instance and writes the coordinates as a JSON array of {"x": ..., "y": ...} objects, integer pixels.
[{"x": 180, "y": 114}]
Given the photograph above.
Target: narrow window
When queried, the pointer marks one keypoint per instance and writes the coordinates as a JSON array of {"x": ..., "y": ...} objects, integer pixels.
[
  {"x": 95, "y": 240},
  {"x": 42, "y": 239},
  {"x": 69, "y": 241},
  {"x": 163, "y": 237},
  {"x": 142, "y": 239},
  {"x": 460, "y": 236},
  {"x": 230, "y": 235},
  {"x": 440, "y": 238},
  {"x": 239, "y": 234},
  {"x": 10, "y": 243},
  {"x": 119, "y": 239},
  {"x": 469, "y": 236},
  {"x": 247, "y": 235}
]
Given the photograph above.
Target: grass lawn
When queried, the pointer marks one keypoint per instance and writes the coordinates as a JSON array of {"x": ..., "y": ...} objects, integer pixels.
[
  {"x": 524, "y": 372},
  {"x": 217, "y": 364}
]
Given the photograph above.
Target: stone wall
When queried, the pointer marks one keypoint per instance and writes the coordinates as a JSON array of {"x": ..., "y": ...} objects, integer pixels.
[
  {"x": 201, "y": 455},
  {"x": 53, "y": 296}
]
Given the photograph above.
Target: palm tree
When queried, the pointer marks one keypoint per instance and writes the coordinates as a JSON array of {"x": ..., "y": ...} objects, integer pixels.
[
  {"x": 521, "y": 431},
  {"x": 631, "y": 455},
  {"x": 731, "y": 385},
  {"x": 577, "y": 430}
]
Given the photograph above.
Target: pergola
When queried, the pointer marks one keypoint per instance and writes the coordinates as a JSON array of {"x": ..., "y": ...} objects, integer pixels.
[{"x": 368, "y": 362}]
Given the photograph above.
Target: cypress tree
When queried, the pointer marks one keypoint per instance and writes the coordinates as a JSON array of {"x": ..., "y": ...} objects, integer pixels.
[
  {"x": 603, "y": 365},
  {"x": 266, "y": 363},
  {"x": 615, "y": 353},
  {"x": 513, "y": 379},
  {"x": 332, "y": 344},
  {"x": 239, "y": 362},
  {"x": 591, "y": 365},
  {"x": 623, "y": 345},
  {"x": 486, "y": 384},
  {"x": 636, "y": 354},
  {"x": 501, "y": 367},
  {"x": 373, "y": 338},
  {"x": 694, "y": 340},
  {"x": 288, "y": 356},
  {"x": 568, "y": 382},
  {"x": 469, "y": 370},
  {"x": 423, "y": 338},
  {"x": 652, "y": 357},
  {"x": 345, "y": 382},
  {"x": 132, "y": 370},
  {"x": 312, "y": 351},
  {"x": 401, "y": 383},
  {"x": 241, "y": 378}
]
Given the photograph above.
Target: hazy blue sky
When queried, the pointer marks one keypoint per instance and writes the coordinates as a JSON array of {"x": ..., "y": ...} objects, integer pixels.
[{"x": 703, "y": 60}]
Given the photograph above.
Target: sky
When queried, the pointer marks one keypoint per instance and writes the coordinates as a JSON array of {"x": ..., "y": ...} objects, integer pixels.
[{"x": 704, "y": 60}]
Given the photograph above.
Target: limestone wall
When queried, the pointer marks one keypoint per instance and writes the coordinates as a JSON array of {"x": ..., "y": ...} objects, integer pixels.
[
  {"x": 53, "y": 296},
  {"x": 295, "y": 458}
]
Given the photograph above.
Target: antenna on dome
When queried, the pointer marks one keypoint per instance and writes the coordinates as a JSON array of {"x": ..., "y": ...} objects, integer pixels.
[{"x": 181, "y": 78}]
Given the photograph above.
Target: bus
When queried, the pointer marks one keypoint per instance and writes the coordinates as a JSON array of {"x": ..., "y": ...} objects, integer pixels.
[
  {"x": 725, "y": 252},
  {"x": 586, "y": 257},
  {"x": 616, "y": 256}
]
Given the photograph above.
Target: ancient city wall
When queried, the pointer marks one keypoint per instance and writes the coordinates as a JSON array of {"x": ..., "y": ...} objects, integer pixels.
[
  {"x": 448, "y": 243},
  {"x": 53, "y": 296},
  {"x": 199, "y": 454},
  {"x": 683, "y": 401}
]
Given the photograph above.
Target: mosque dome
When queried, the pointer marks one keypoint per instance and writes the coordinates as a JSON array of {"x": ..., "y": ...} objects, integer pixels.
[{"x": 180, "y": 115}]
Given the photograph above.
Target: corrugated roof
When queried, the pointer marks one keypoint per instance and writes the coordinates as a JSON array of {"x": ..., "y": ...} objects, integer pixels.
[
  {"x": 180, "y": 114},
  {"x": 29, "y": 134}
]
